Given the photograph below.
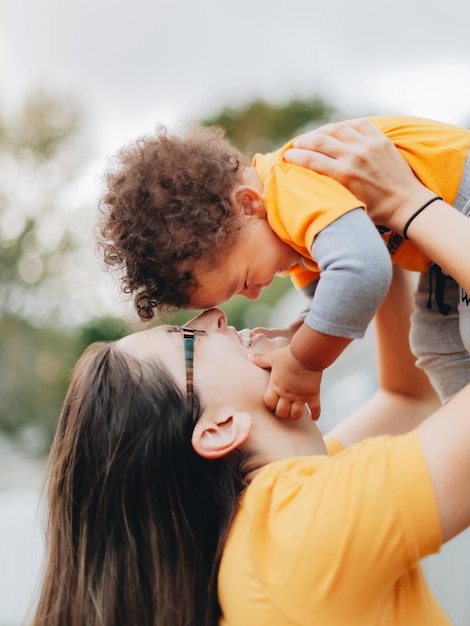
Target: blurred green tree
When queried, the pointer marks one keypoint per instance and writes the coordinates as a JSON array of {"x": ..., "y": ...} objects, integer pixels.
[
  {"x": 260, "y": 126},
  {"x": 42, "y": 151},
  {"x": 35, "y": 369}
]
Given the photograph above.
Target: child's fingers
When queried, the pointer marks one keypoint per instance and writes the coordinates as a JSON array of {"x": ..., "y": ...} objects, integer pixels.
[
  {"x": 271, "y": 400},
  {"x": 297, "y": 410},
  {"x": 268, "y": 332},
  {"x": 315, "y": 408},
  {"x": 282, "y": 409},
  {"x": 281, "y": 406},
  {"x": 261, "y": 360}
]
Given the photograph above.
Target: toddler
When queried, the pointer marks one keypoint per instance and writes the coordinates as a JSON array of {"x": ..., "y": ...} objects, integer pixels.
[{"x": 192, "y": 222}]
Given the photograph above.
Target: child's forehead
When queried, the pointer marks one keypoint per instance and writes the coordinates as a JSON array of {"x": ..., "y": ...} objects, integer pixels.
[
  {"x": 218, "y": 280},
  {"x": 210, "y": 294}
]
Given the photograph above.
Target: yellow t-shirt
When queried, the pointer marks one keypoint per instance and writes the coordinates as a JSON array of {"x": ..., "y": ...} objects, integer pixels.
[
  {"x": 335, "y": 541},
  {"x": 301, "y": 203}
]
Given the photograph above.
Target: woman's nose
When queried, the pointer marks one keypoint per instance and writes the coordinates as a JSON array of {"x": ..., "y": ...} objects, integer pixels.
[{"x": 212, "y": 319}]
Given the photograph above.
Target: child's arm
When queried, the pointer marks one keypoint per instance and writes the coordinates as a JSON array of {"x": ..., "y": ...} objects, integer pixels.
[{"x": 356, "y": 273}]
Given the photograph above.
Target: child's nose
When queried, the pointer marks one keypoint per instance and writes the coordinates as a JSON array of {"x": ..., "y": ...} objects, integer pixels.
[{"x": 252, "y": 292}]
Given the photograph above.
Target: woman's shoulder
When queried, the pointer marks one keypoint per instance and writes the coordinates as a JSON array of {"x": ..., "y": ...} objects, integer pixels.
[{"x": 385, "y": 469}]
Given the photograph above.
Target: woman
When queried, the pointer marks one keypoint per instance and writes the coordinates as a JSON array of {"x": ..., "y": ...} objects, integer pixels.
[
  {"x": 149, "y": 473},
  {"x": 179, "y": 501}
]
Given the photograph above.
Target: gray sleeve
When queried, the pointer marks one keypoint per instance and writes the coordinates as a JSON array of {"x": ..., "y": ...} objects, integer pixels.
[
  {"x": 356, "y": 271},
  {"x": 309, "y": 292}
]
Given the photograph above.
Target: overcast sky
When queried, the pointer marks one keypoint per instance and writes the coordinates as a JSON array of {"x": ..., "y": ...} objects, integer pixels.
[
  {"x": 135, "y": 63},
  {"x": 138, "y": 62}
]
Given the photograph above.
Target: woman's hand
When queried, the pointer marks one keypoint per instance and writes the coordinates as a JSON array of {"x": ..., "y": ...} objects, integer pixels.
[{"x": 360, "y": 157}]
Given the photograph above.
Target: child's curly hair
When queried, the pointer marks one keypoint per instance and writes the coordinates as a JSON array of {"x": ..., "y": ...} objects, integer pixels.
[{"x": 165, "y": 207}]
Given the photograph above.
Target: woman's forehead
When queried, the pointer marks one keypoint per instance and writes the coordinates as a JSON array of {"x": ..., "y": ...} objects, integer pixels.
[{"x": 155, "y": 342}]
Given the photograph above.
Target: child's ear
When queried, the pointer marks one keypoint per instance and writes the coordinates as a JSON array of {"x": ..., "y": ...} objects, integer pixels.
[
  {"x": 216, "y": 436},
  {"x": 249, "y": 201}
]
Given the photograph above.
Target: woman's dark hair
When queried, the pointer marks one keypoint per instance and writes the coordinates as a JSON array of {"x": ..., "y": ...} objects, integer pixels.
[
  {"x": 137, "y": 520},
  {"x": 167, "y": 206}
]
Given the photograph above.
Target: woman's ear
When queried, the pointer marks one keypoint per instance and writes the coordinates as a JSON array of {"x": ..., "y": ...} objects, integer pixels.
[
  {"x": 214, "y": 437},
  {"x": 248, "y": 201}
]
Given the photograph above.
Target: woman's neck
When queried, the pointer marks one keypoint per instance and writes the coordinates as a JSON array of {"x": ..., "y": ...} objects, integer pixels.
[{"x": 287, "y": 439}]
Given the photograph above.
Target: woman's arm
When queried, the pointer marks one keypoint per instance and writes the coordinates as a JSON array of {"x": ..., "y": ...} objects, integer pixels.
[
  {"x": 404, "y": 401},
  {"x": 362, "y": 156},
  {"x": 443, "y": 234},
  {"x": 405, "y": 396}
]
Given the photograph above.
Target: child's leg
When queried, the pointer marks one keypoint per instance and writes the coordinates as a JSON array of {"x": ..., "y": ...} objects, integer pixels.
[
  {"x": 464, "y": 317},
  {"x": 464, "y": 297},
  {"x": 435, "y": 338},
  {"x": 440, "y": 342}
]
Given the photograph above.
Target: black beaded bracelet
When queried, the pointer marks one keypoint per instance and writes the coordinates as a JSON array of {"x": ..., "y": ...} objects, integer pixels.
[{"x": 416, "y": 213}]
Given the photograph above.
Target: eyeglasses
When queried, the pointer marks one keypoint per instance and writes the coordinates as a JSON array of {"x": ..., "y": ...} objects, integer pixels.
[{"x": 188, "y": 342}]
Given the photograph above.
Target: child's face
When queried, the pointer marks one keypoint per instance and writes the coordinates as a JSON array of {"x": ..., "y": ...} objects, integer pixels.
[{"x": 248, "y": 267}]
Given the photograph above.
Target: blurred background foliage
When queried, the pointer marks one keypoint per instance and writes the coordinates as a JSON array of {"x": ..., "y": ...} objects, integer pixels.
[
  {"x": 44, "y": 150},
  {"x": 261, "y": 127},
  {"x": 41, "y": 154}
]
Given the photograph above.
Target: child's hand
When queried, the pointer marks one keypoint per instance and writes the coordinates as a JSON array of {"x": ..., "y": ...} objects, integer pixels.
[
  {"x": 288, "y": 331},
  {"x": 291, "y": 384}
]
